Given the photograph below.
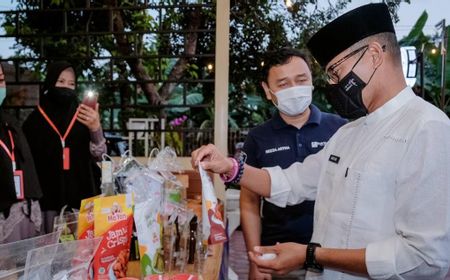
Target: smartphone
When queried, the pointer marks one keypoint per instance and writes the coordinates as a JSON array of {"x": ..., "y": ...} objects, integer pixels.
[{"x": 90, "y": 98}]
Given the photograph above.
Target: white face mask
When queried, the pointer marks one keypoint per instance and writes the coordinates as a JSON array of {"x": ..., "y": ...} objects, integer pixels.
[
  {"x": 2, "y": 94},
  {"x": 293, "y": 101}
]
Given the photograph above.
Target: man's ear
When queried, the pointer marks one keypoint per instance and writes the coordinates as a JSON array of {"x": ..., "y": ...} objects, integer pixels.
[
  {"x": 376, "y": 52},
  {"x": 266, "y": 90}
]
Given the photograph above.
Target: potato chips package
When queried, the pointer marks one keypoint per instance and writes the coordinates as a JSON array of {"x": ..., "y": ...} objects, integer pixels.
[
  {"x": 86, "y": 218},
  {"x": 113, "y": 218},
  {"x": 213, "y": 225}
]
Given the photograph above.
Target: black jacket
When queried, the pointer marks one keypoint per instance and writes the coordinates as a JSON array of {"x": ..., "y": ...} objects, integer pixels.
[
  {"x": 61, "y": 187},
  {"x": 24, "y": 162}
]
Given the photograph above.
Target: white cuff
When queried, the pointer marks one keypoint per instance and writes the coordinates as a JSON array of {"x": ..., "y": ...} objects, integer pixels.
[
  {"x": 279, "y": 187},
  {"x": 380, "y": 259}
]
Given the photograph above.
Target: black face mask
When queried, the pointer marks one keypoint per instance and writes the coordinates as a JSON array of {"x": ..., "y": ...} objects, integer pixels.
[
  {"x": 346, "y": 95},
  {"x": 61, "y": 95}
]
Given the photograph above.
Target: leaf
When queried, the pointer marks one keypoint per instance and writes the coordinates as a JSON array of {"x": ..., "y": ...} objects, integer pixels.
[
  {"x": 254, "y": 100},
  {"x": 232, "y": 122},
  {"x": 416, "y": 32},
  {"x": 191, "y": 99}
]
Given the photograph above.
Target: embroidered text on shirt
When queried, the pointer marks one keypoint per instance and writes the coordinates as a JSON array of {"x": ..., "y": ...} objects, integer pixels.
[
  {"x": 315, "y": 144},
  {"x": 273, "y": 150},
  {"x": 395, "y": 138}
]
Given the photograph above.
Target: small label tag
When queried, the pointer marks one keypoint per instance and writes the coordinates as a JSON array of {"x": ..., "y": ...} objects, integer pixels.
[
  {"x": 18, "y": 184},
  {"x": 334, "y": 159},
  {"x": 66, "y": 158}
]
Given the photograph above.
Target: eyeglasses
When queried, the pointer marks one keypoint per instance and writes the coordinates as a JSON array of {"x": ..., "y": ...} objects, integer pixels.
[{"x": 332, "y": 74}]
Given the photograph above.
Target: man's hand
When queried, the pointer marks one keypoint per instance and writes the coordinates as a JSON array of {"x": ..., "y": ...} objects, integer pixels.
[
  {"x": 212, "y": 160},
  {"x": 255, "y": 274},
  {"x": 89, "y": 117},
  {"x": 290, "y": 256}
]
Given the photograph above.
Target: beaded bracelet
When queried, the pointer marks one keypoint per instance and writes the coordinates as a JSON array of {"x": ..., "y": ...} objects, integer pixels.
[
  {"x": 241, "y": 158},
  {"x": 234, "y": 172},
  {"x": 237, "y": 179}
]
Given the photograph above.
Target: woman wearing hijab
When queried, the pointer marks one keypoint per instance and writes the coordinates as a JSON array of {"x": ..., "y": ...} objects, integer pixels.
[
  {"x": 20, "y": 214},
  {"x": 66, "y": 140}
]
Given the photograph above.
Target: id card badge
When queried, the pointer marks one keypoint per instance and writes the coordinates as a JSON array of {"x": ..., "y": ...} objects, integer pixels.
[
  {"x": 18, "y": 184},
  {"x": 66, "y": 158}
]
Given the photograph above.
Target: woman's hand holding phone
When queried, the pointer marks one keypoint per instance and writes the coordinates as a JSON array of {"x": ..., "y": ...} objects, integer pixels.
[
  {"x": 90, "y": 98},
  {"x": 89, "y": 117}
]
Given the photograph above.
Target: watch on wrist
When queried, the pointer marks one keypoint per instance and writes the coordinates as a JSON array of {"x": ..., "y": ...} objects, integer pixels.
[{"x": 310, "y": 259}]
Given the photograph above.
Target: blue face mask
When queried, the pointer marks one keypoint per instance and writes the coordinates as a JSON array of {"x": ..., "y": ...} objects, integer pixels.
[{"x": 2, "y": 94}]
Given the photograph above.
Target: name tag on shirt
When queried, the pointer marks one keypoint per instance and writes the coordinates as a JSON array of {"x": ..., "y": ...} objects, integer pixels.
[
  {"x": 18, "y": 184},
  {"x": 278, "y": 149},
  {"x": 334, "y": 159}
]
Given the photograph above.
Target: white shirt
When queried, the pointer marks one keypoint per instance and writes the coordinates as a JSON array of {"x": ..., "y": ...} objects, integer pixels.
[{"x": 381, "y": 183}]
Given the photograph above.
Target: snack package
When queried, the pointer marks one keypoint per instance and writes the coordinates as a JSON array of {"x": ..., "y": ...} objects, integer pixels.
[
  {"x": 86, "y": 218},
  {"x": 147, "y": 187},
  {"x": 149, "y": 229},
  {"x": 165, "y": 160},
  {"x": 67, "y": 223},
  {"x": 113, "y": 218},
  {"x": 127, "y": 164},
  {"x": 213, "y": 225}
]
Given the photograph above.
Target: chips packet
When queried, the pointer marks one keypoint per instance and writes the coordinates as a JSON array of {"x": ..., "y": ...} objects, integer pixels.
[
  {"x": 86, "y": 218},
  {"x": 113, "y": 219}
]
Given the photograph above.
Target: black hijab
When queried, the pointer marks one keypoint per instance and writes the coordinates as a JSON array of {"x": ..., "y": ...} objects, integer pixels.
[
  {"x": 61, "y": 187},
  {"x": 59, "y": 103},
  {"x": 53, "y": 71}
]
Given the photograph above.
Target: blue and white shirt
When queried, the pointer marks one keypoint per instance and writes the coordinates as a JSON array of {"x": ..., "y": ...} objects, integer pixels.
[{"x": 276, "y": 143}]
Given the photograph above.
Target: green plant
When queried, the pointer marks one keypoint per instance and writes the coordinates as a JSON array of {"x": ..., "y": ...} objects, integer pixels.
[{"x": 432, "y": 63}]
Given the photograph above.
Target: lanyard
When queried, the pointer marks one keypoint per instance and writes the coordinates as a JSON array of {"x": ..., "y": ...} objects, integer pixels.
[
  {"x": 8, "y": 152},
  {"x": 69, "y": 128}
]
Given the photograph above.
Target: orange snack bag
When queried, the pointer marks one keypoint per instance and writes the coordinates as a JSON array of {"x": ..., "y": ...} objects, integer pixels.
[
  {"x": 86, "y": 218},
  {"x": 113, "y": 216}
]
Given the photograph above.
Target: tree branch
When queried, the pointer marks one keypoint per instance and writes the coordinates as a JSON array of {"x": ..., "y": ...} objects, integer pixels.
[
  {"x": 137, "y": 68},
  {"x": 190, "y": 46}
]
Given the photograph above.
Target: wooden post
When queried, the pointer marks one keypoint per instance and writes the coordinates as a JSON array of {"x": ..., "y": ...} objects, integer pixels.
[{"x": 221, "y": 84}]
